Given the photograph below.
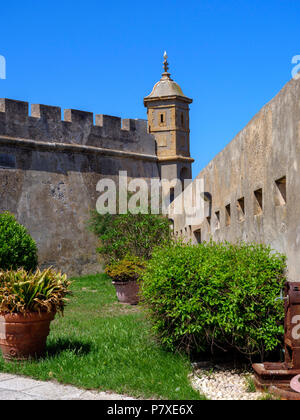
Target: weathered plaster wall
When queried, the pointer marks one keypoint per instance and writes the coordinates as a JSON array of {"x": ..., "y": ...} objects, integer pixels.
[
  {"x": 51, "y": 187},
  {"x": 266, "y": 150}
]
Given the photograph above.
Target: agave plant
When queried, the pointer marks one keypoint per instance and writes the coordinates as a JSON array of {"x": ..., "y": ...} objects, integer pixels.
[{"x": 41, "y": 291}]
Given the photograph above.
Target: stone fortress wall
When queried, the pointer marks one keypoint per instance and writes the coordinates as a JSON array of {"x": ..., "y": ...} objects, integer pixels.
[
  {"x": 49, "y": 170},
  {"x": 252, "y": 187}
]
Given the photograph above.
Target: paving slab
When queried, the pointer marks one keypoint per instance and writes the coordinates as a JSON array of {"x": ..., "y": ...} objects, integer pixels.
[
  {"x": 6, "y": 376},
  {"x": 18, "y": 383},
  {"x": 10, "y": 395},
  {"x": 13, "y": 387},
  {"x": 54, "y": 391}
]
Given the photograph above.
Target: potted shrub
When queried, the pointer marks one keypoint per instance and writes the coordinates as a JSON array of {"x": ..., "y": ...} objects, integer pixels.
[
  {"x": 129, "y": 234},
  {"x": 125, "y": 274},
  {"x": 28, "y": 303}
]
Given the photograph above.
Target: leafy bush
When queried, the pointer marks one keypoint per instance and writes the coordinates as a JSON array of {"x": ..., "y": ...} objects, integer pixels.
[
  {"x": 42, "y": 291},
  {"x": 135, "y": 234},
  {"x": 17, "y": 248},
  {"x": 216, "y": 296},
  {"x": 128, "y": 269}
]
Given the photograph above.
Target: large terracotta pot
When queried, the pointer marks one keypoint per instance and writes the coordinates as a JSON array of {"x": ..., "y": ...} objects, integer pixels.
[
  {"x": 127, "y": 292},
  {"x": 24, "y": 336}
]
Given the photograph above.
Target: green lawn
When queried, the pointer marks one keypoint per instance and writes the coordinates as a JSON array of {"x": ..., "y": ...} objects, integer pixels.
[{"x": 100, "y": 344}]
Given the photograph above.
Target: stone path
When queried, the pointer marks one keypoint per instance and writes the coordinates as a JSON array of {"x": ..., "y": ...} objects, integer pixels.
[{"x": 14, "y": 387}]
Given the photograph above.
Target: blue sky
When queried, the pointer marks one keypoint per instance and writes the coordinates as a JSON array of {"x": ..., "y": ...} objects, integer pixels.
[{"x": 230, "y": 56}]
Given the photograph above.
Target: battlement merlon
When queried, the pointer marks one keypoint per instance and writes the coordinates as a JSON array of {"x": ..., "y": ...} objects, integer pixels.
[
  {"x": 77, "y": 127},
  {"x": 45, "y": 112}
]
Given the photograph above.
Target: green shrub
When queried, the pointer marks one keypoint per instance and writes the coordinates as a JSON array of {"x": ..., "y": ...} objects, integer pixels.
[
  {"x": 128, "y": 269},
  {"x": 17, "y": 248},
  {"x": 42, "y": 291},
  {"x": 135, "y": 234},
  {"x": 216, "y": 296}
]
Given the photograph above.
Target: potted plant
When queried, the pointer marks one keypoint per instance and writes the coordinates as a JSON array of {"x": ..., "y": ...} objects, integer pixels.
[
  {"x": 125, "y": 274},
  {"x": 28, "y": 303}
]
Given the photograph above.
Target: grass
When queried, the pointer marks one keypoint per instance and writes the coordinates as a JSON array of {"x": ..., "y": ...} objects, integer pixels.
[
  {"x": 250, "y": 384},
  {"x": 101, "y": 344}
]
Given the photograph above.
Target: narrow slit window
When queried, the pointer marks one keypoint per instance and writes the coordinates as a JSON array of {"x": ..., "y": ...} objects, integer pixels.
[
  {"x": 258, "y": 202},
  {"x": 162, "y": 118},
  {"x": 217, "y": 214},
  {"x": 227, "y": 215},
  {"x": 197, "y": 234},
  {"x": 280, "y": 195},
  {"x": 241, "y": 209}
]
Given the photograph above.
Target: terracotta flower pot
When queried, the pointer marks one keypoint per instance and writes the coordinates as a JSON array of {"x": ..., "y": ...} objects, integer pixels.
[
  {"x": 127, "y": 292},
  {"x": 23, "y": 336}
]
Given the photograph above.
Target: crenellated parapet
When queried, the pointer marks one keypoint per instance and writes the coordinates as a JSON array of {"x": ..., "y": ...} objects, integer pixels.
[{"x": 45, "y": 124}]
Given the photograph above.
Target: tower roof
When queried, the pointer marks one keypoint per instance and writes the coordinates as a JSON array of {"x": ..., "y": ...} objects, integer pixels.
[{"x": 166, "y": 87}]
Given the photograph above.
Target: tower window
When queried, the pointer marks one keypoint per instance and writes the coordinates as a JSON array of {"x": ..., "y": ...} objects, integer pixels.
[
  {"x": 162, "y": 118},
  {"x": 258, "y": 202},
  {"x": 280, "y": 196}
]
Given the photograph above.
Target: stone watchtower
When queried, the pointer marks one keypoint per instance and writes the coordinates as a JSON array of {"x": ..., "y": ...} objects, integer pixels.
[{"x": 168, "y": 122}]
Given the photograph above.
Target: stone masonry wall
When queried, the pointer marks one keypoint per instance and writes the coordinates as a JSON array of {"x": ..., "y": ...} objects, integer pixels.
[
  {"x": 254, "y": 183},
  {"x": 49, "y": 170}
]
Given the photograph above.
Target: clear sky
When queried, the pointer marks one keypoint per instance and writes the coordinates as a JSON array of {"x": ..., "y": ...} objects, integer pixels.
[{"x": 230, "y": 56}]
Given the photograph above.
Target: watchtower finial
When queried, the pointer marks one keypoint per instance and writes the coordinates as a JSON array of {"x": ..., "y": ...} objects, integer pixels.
[{"x": 166, "y": 64}]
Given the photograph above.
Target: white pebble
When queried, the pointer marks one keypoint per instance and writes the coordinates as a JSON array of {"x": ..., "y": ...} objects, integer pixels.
[{"x": 223, "y": 385}]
